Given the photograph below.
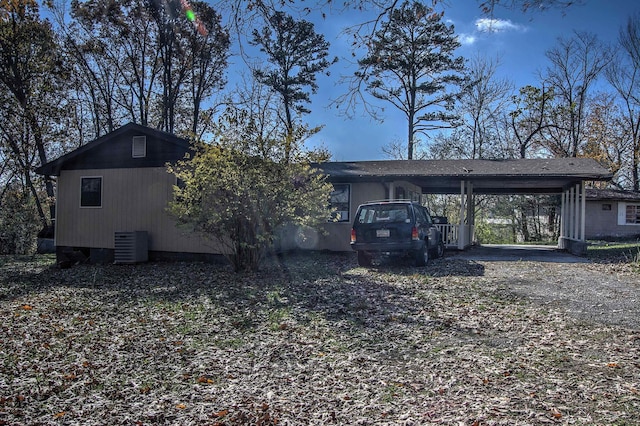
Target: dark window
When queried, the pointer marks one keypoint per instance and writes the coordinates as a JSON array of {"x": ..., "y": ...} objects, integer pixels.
[
  {"x": 422, "y": 216},
  {"x": 633, "y": 214},
  {"x": 384, "y": 213},
  {"x": 606, "y": 207},
  {"x": 340, "y": 201},
  {"x": 91, "y": 192}
]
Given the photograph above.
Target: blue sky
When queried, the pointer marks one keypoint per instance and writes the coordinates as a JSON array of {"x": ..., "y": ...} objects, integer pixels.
[{"x": 520, "y": 40}]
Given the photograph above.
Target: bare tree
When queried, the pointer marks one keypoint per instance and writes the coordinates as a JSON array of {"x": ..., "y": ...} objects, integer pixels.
[
  {"x": 527, "y": 120},
  {"x": 609, "y": 138},
  {"x": 624, "y": 75},
  {"x": 482, "y": 105},
  {"x": 576, "y": 63}
]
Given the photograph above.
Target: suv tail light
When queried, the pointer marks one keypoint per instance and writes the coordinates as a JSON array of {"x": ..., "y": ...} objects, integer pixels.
[
  {"x": 415, "y": 236},
  {"x": 353, "y": 235}
]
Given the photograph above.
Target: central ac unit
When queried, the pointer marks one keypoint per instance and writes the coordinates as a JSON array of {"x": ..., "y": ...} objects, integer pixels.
[{"x": 131, "y": 247}]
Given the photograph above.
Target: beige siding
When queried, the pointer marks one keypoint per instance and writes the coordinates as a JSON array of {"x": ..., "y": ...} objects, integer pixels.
[
  {"x": 601, "y": 223},
  {"x": 133, "y": 199}
]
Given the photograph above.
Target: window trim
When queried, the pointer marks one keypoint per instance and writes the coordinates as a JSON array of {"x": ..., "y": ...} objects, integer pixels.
[
  {"x": 348, "y": 202},
  {"x": 622, "y": 213},
  {"x": 137, "y": 154},
  {"x": 101, "y": 191}
]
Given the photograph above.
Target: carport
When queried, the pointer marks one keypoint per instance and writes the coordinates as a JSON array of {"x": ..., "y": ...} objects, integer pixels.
[{"x": 566, "y": 177}]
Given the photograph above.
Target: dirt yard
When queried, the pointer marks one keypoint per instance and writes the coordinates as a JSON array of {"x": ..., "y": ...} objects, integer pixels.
[{"x": 314, "y": 339}]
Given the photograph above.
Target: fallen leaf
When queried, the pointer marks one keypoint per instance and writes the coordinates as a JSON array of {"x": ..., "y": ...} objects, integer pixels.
[
  {"x": 205, "y": 379},
  {"x": 613, "y": 365},
  {"x": 556, "y": 413},
  {"x": 27, "y": 307},
  {"x": 59, "y": 415},
  {"x": 181, "y": 406},
  {"x": 220, "y": 413}
]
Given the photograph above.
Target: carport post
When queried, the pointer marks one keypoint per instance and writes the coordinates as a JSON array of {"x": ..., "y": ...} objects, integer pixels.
[
  {"x": 461, "y": 232},
  {"x": 563, "y": 213},
  {"x": 470, "y": 214},
  {"x": 583, "y": 210},
  {"x": 570, "y": 223}
]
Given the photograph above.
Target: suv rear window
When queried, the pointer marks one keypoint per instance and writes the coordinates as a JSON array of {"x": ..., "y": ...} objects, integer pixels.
[{"x": 387, "y": 213}]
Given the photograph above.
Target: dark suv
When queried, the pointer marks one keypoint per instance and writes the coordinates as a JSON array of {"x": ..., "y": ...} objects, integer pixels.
[{"x": 395, "y": 228}]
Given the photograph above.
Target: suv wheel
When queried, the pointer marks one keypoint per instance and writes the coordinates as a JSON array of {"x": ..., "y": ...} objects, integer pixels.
[
  {"x": 421, "y": 256},
  {"x": 439, "y": 250},
  {"x": 364, "y": 259}
]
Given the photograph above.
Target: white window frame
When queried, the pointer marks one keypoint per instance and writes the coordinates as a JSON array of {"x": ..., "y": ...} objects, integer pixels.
[
  {"x": 622, "y": 214},
  {"x": 136, "y": 150},
  {"x": 101, "y": 191}
]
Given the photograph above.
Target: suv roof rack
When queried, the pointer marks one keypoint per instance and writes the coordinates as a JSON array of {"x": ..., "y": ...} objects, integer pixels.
[{"x": 391, "y": 201}]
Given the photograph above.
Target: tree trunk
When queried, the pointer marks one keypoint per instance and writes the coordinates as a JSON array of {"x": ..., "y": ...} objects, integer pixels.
[
  {"x": 410, "y": 142},
  {"x": 42, "y": 155}
]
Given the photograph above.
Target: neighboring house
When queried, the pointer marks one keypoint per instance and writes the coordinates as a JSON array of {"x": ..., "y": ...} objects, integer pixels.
[
  {"x": 112, "y": 193},
  {"x": 612, "y": 214}
]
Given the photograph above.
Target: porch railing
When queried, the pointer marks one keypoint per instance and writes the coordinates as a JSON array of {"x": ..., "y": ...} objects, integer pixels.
[{"x": 456, "y": 236}]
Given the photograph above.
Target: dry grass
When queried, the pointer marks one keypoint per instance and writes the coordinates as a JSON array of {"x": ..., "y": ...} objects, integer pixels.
[{"x": 312, "y": 339}]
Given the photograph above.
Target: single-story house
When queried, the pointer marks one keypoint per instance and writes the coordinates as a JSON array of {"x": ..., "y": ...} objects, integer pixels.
[
  {"x": 612, "y": 214},
  {"x": 119, "y": 183},
  {"x": 112, "y": 195}
]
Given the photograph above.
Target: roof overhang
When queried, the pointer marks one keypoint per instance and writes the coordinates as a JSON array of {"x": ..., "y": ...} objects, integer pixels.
[{"x": 525, "y": 176}]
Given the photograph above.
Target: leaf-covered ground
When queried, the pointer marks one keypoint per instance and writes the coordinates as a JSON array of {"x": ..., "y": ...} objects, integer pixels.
[{"x": 313, "y": 339}]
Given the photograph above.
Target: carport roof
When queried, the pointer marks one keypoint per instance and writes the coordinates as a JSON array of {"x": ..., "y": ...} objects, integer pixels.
[{"x": 526, "y": 176}]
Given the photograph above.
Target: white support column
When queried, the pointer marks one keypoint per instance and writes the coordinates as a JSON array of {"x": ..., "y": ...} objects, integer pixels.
[
  {"x": 470, "y": 213},
  {"x": 583, "y": 209},
  {"x": 571, "y": 215},
  {"x": 461, "y": 232},
  {"x": 563, "y": 213},
  {"x": 576, "y": 230}
]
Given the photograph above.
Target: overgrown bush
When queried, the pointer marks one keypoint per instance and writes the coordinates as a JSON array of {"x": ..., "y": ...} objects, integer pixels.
[
  {"x": 19, "y": 223},
  {"x": 239, "y": 201}
]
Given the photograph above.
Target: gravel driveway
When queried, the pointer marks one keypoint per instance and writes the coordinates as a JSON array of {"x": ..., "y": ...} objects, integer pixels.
[{"x": 605, "y": 293}]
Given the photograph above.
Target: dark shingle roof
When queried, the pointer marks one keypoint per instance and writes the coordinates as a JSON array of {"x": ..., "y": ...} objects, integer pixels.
[
  {"x": 612, "y": 194},
  {"x": 488, "y": 176},
  {"x": 579, "y": 167}
]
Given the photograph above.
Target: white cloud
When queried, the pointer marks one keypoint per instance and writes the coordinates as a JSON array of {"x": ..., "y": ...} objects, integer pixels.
[
  {"x": 489, "y": 25},
  {"x": 466, "y": 39}
]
